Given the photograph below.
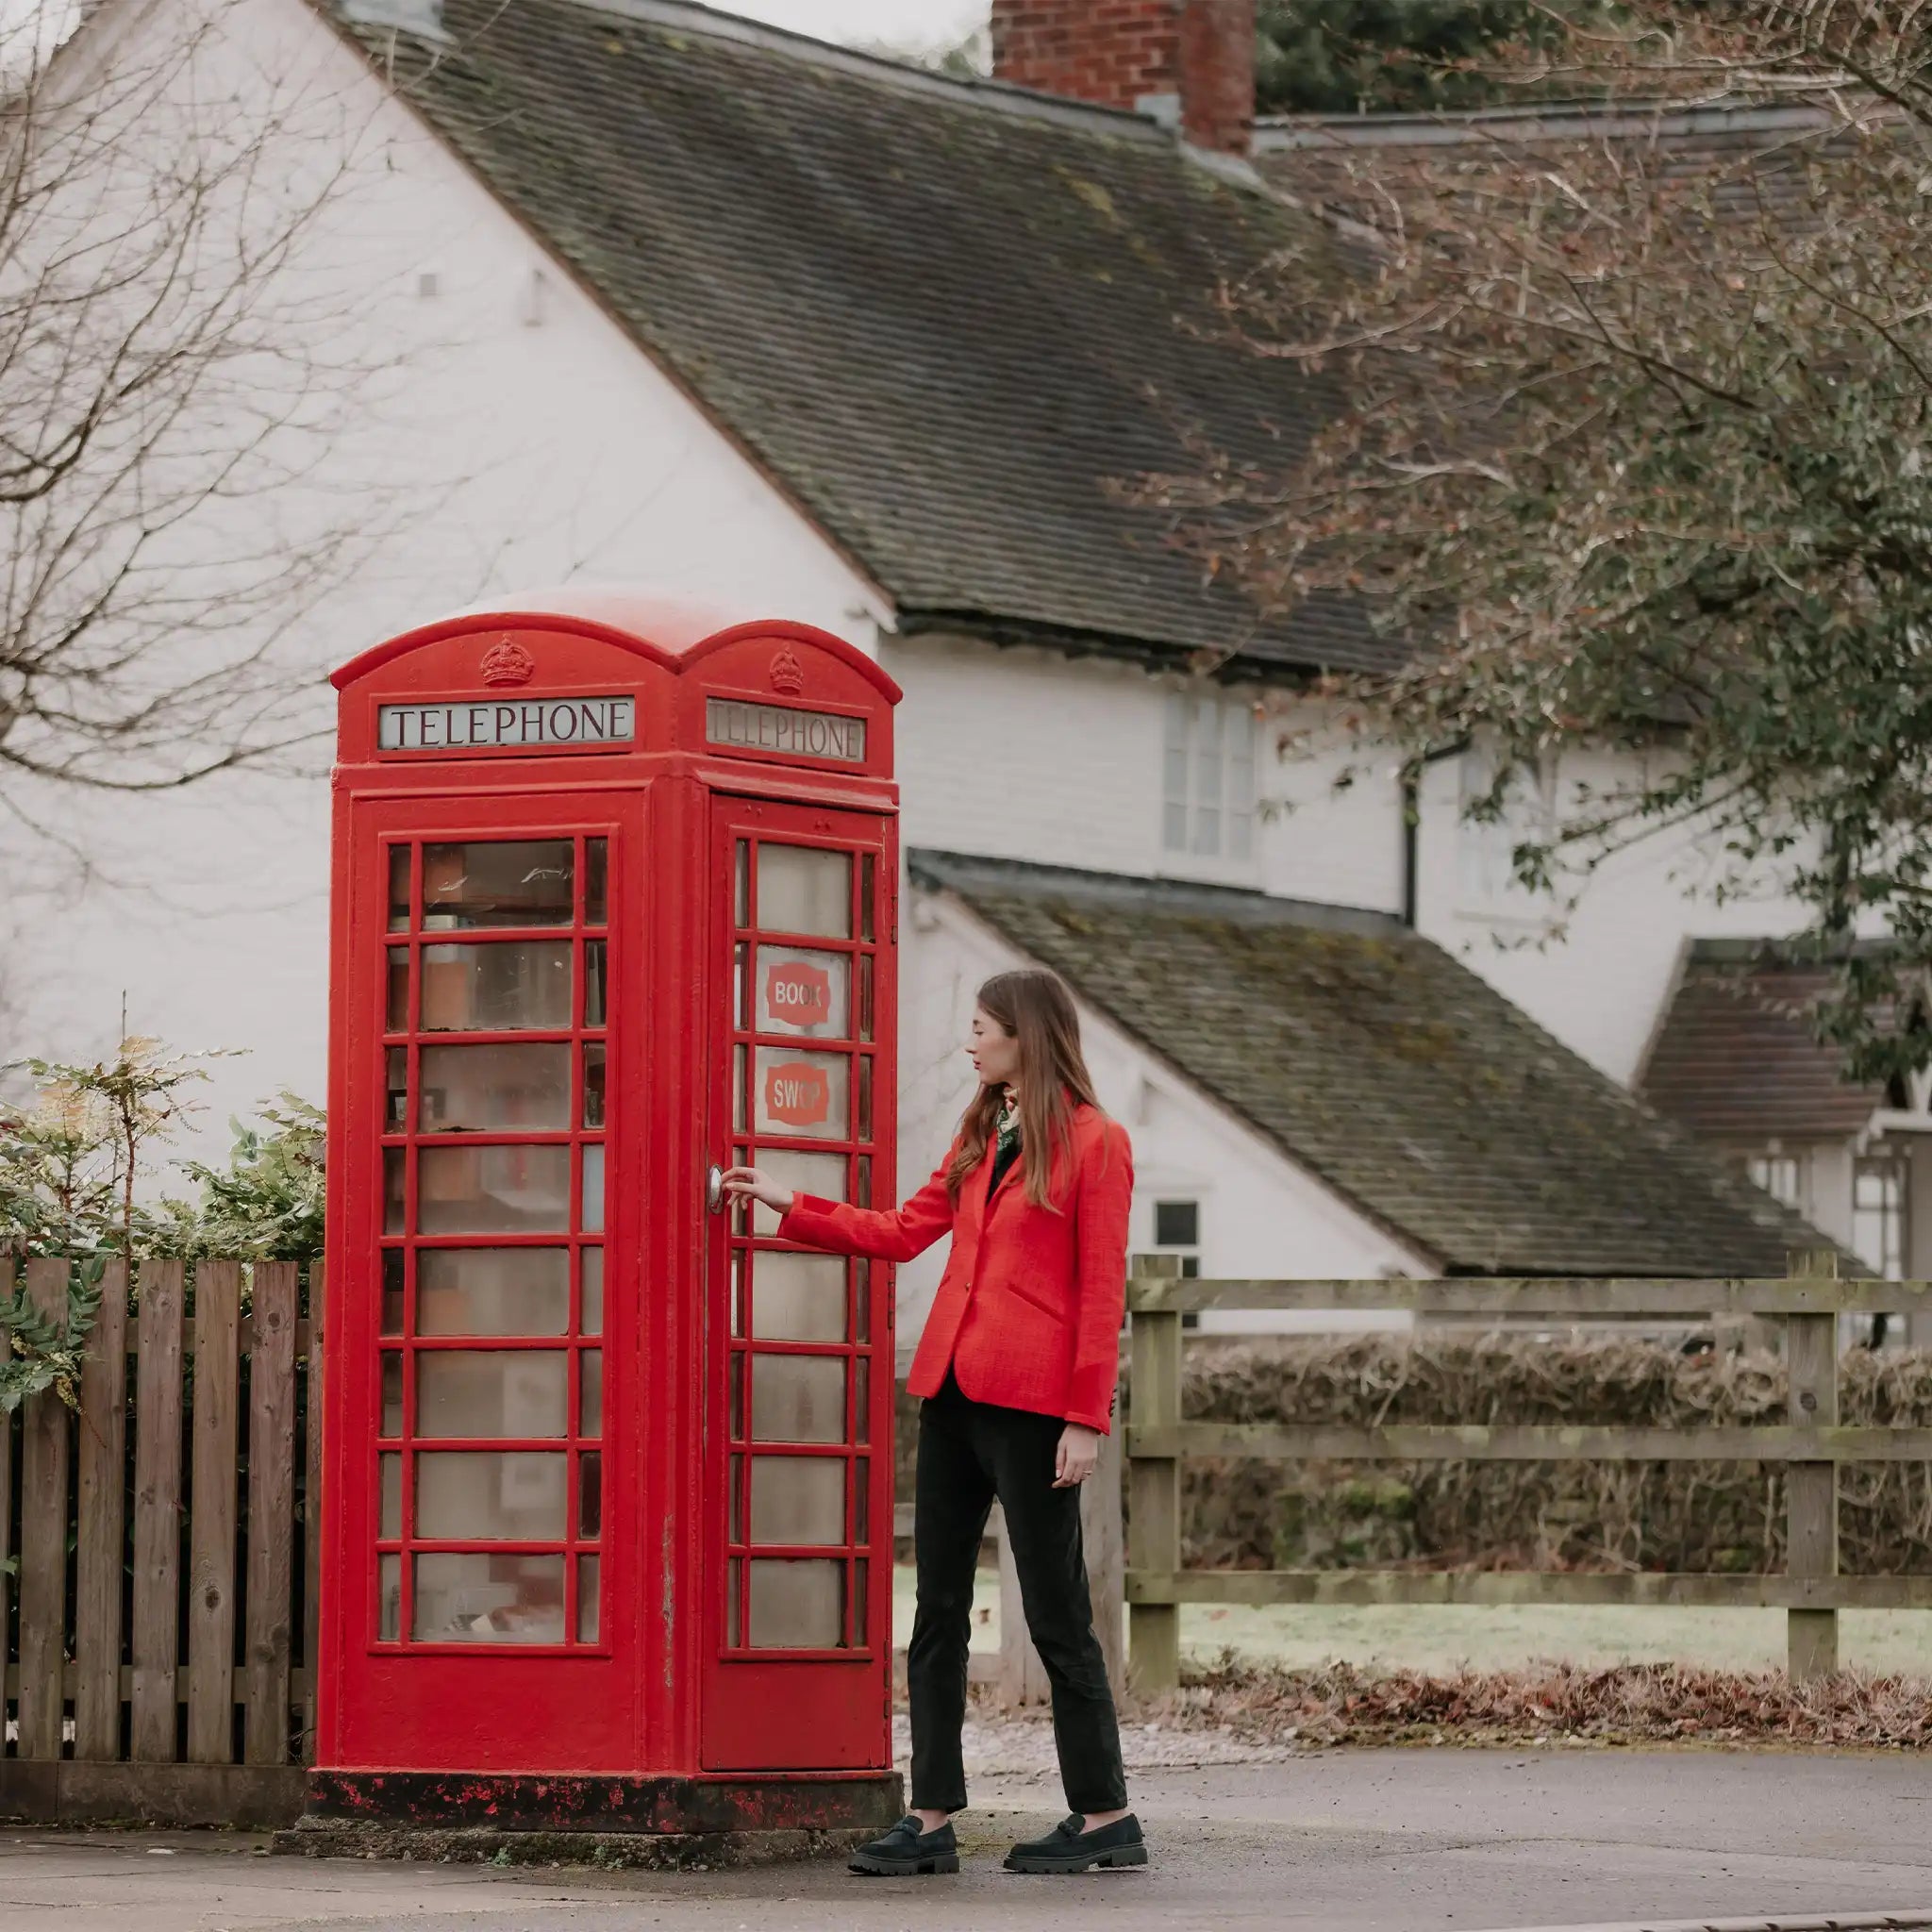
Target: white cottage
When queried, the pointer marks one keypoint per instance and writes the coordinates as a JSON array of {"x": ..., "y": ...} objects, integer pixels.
[{"x": 672, "y": 299}]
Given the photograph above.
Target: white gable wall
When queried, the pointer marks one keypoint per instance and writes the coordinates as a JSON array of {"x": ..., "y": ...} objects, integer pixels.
[
  {"x": 1261, "y": 1216},
  {"x": 513, "y": 454}
]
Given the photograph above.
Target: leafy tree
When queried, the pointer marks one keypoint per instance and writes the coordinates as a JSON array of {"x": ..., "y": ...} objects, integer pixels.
[
  {"x": 1349, "y": 56},
  {"x": 1636, "y": 447}
]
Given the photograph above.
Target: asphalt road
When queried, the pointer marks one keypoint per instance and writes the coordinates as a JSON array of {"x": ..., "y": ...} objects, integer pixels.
[{"x": 1476, "y": 1841}]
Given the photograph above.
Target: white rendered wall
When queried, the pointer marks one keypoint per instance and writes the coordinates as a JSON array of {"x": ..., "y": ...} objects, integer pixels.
[{"x": 519, "y": 439}]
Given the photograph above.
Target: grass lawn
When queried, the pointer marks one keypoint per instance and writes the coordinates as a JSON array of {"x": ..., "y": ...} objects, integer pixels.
[{"x": 1421, "y": 1636}]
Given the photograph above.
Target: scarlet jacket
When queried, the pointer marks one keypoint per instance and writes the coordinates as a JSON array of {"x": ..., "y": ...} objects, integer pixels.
[{"x": 1028, "y": 1311}]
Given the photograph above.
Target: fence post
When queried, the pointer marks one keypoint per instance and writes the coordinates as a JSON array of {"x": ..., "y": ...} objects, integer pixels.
[
  {"x": 1153, "y": 1516},
  {"x": 1811, "y": 1487}
]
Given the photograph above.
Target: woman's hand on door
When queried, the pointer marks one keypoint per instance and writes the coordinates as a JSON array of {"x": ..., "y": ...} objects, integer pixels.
[
  {"x": 759, "y": 1185},
  {"x": 1079, "y": 1451}
]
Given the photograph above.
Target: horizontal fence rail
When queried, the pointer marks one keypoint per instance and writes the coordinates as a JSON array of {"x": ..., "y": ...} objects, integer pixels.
[
  {"x": 160, "y": 1660},
  {"x": 1810, "y": 1445}
]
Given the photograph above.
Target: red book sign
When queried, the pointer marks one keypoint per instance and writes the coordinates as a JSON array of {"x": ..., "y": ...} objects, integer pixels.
[
  {"x": 798, "y": 994},
  {"x": 797, "y": 1095}
]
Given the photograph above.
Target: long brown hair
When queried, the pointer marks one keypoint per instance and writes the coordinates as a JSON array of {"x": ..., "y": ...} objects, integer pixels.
[{"x": 1035, "y": 1008}]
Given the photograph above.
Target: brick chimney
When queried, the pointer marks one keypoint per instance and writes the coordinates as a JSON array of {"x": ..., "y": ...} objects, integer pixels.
[{"x": 1145, "y": 53}]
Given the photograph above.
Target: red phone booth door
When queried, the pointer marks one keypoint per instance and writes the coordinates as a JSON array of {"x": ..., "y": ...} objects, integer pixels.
[
  {"x": 799, "y": 1345},
  {"x": 500, "y": 1443}
]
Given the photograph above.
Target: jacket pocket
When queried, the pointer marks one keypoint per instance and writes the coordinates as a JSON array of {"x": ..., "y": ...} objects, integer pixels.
[{"x": 1034, "y": 1301}]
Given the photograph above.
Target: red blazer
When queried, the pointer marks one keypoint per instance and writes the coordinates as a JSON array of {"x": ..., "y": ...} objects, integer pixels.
[{"x": 1028, "y": 1311}]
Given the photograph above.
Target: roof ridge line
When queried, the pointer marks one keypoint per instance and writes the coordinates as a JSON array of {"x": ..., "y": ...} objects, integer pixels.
[
  {"x": 1551, "y": 121},
  {"x": 892, "y": 70}
]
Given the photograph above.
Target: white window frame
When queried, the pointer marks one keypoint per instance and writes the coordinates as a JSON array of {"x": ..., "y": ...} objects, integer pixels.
[
  {"x": 1486, "y": 879},
  {"x": 1881, "y": 1215},
  {"x": 1210, "y": 743},
  {"x": 1784, "y": 1176}
]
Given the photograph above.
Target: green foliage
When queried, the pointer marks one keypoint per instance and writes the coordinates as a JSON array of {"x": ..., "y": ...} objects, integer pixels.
[
  {"x": 1350, "y": 57},
  {"x": 267, "y": 1204},
  {"x": 44, "y": 1353}
]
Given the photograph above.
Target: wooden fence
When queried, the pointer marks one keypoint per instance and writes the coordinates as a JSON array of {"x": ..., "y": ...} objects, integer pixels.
[
  {"x": 163, "y": 1581},
  {"x": 1811, "y": 1445}
]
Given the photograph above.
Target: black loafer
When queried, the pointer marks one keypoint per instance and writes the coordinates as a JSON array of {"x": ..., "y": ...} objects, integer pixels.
[
  {"x": 905, "y": 1852},
  {"x": 1067, "y": 1848}
]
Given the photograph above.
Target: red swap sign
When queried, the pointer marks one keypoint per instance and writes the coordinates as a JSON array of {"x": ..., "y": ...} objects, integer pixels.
[
  {"x": 797, "y": 1095},
  {"x": 798, "y": 994}
]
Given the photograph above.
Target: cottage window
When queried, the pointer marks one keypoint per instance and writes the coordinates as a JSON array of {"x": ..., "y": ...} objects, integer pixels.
[
  {"x": 1208, "y": 806},
  {"x": 1781, "y": 1177},
  {"x": 1878, "y": 1215}
]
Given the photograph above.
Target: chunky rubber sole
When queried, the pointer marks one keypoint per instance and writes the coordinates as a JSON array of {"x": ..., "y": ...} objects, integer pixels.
[
  {"x": 1118, "y": 1859},
  {"x": 868, "y": 1866}
]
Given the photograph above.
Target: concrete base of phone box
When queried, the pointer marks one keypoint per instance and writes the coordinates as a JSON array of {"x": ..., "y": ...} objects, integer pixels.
[{"x": 649, "y": 1822}]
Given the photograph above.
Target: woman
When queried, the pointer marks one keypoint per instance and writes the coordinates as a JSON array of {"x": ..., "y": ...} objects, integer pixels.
[{"x": 1017, "y": 1366}]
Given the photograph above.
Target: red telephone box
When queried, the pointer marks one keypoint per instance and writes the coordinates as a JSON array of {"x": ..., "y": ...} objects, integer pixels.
[{"x": 606, "y": 1515}]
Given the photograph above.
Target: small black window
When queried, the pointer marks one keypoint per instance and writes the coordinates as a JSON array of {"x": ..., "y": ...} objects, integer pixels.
[{"x": 1176, "y": 1224}]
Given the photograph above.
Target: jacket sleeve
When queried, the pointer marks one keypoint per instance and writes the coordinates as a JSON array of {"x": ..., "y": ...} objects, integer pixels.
[
  {"x": 1103, "y": 1198},
  {"x": 883, "y": 1234}
]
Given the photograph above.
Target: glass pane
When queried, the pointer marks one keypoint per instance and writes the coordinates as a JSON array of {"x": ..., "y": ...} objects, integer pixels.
[
  {"x": 393, "y": 1264},
  {"x": 399, "y": 888},
  {"x": 392, "y": 1394},
  {"x": 797, "y": 1398},
  {"x": 493, "y": 1290},
  {"x": 733, "y": 1583},
  {"x": 589, "y": 1495},
  {"x": 490, "y": 1090},
  {"x": 869, "y": 1272},
  {"x": 496, "y": 989},
  {"x": 805, "y": 891},
  {"x": 823, "y": 1175},
  {"x": 592, "y": 1322},
  {"x": 395, "y": 1112},
  {"x": 594, "y": 1085},
  {"x": 596, "y": 880},
  {"x": 740, "y": 983},
  {"x": 397, "y": 1005},
  {"x": 503, "y": 1392},
  {"x": 507, "y": 882},
  {"x": 740, "y": 1061},
  {"x": 493, "y": 1189},
  {"x": 862, "y": 1375},
  {"x": 738, "y": 1268},
  {"x": 388, "y": 1599},
  {"x": 868, "y": 892},
  {"x": 593, "y": 1222},
  {"x": 734, "y": 1379},
  {"x": 736, "y": 1494},
  {"x": 864, "y": 1121},
  {"x": 865, "y": 997},
  {"x": 395, "y": 1165},
  {"x": 806, "y": 1093},
  {"x": 587, "y": 1599},
  {"x": 859, "y": 1604},
  {"x": 804, "y": 992},
  {"x": 861, "y": 1502},
  {"x": 740, "y": 887},
  {"x": 591, "y": 1395},
  {"x": 797, "y": 1605},
  {"x": 798, "y": 1499},
  {"x": 491, "y": 1495},
  {"x": 596, "y": 955},
  {"x": 478, "y": 1598},
  {"x": 798, "y": 1297},
  {"x": 389, "y": 1525}
]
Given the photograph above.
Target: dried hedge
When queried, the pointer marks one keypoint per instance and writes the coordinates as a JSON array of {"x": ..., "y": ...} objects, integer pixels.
[{"x": 1718, "y": 1515}]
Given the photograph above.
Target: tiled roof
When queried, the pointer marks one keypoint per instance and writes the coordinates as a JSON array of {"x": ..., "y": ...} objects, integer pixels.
[
  {"x": 948, "y": 318},
  {"x": 1401, "y": 1079},
  {"x": 1737, "y": 1056}
]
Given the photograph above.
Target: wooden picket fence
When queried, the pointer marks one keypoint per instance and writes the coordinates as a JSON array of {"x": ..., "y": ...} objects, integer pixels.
[{"x": 162, "y": 1586}]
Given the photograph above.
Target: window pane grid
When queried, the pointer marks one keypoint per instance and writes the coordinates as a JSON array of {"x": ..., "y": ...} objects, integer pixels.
[
  {"x": 779, "y": 976},
  {"x": 504, "y": 1588}
]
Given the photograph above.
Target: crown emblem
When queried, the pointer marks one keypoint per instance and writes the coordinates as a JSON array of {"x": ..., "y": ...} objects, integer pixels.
[
  {"x": 788, "y": 674},
  {"x": 508, "y": 663}
]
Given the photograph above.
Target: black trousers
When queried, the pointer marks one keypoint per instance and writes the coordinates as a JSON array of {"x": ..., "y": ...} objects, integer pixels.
[{"x": 969, "y": 1453}]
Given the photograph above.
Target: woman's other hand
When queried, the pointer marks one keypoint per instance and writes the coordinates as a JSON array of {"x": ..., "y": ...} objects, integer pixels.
[
  {"x": 759, "y": 1185},
  {"x": 1078, "y": 1452}
]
